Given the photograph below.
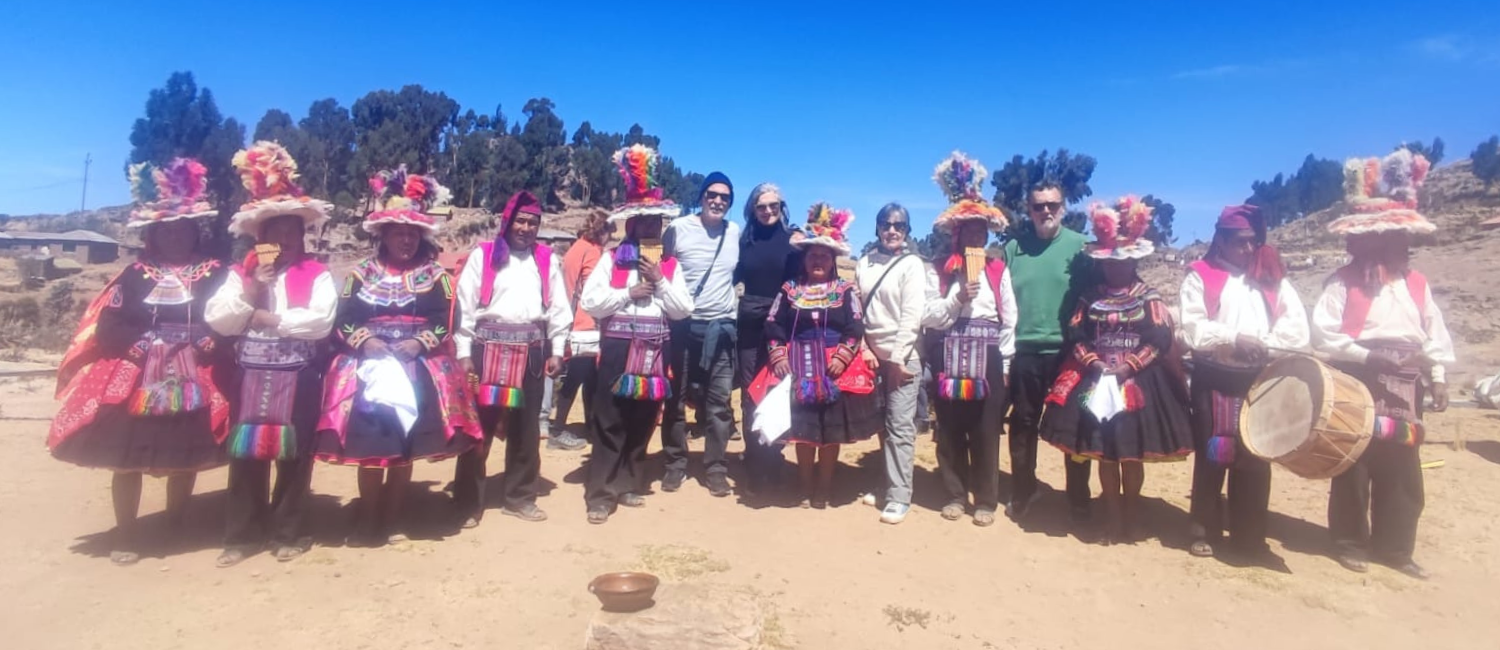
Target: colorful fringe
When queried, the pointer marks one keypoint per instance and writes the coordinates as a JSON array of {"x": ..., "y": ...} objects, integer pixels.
[
  {"x": 263, "y": 442},
  {"x": 501, "y": 396},
  {"x": 167, "y": 398},
  {"x": 963, "y": 390},
  {"x": 1221, "y": 450},
  {"x": 1135, "y": 400},
  {"x": 644, "y": 388},
  {"x": 816, "y": 391},
  {"x": 1404, "y": 432}
]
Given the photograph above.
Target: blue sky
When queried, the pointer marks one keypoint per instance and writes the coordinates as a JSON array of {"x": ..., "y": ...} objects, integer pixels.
[{"x": 1188, "y": 101}]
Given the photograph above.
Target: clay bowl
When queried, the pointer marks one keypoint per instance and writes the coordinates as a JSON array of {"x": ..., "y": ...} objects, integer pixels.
[{"x": 626, "y": 591}]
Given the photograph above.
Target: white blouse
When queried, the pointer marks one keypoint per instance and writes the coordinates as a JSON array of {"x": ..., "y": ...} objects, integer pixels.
[
  {"x": 516, "y": 300},
  {"x": 228, "y": 313}
]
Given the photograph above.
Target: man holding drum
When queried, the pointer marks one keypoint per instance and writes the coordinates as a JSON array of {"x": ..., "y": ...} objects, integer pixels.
[
  {"x": 1377, "y": 321},
  {"x": 1237, "y": 307}
]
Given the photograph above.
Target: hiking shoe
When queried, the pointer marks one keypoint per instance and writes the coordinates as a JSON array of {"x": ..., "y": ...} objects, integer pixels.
[
  {"x": 672, "y": 482},
  {"x": 718, "y": 484},
  {"x": 566, "y": 441},
  {"x": 894, "y": 513}
]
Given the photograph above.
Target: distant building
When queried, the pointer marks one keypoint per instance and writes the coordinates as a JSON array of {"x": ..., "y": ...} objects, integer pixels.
[{"x": 82, "y": 246}]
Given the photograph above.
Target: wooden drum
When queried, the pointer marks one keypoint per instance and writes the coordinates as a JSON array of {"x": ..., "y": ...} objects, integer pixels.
[{"x": 1307, "y": 417}]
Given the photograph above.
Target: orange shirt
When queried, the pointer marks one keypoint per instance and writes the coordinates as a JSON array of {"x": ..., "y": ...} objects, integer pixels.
[{"x": 582, "y": 256}]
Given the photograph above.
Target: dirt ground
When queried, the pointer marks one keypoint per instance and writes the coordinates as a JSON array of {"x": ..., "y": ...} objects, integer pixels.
[{"x": 834, "y": 578}]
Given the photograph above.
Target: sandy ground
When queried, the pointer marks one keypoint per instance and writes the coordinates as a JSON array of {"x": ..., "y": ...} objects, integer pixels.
[{"x": 829, "y": 579}]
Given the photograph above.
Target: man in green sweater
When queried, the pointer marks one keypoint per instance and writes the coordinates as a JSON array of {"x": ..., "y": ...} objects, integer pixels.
[{"x": 1048, "y": 270}]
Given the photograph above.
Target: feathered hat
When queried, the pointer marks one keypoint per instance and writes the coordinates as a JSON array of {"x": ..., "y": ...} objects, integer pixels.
[
  {"x": 643, "y": 192},
  {"x": 827, "y": 226},
  {"x": 405, "y": 198},
  {"x": 270, "y": 175},
  {"x": 162, "y": 194},
  {"x": 962, "y": 180},
  {"x": 1120, "y": 231},
  {"x": 1381, "y": 195}
]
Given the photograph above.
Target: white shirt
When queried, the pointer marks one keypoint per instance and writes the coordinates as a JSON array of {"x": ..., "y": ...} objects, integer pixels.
[
  {"x": 694, "y": 249},
  {"x": 1393, "y": 317},
  {"x": 1242, "y": 310},
  {"x": 893, "y": 315},
  {"x": 228, "y": 313},
  {"x": 942, "y": 312},
  {"x": 516, "y": 299},
  {"x": 669, "y": 297}
]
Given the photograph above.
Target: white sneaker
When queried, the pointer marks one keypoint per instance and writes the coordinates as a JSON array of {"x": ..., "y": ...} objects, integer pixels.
[
  {"x": 869, "y": 499},
  {"x": 894, "y": 513}
]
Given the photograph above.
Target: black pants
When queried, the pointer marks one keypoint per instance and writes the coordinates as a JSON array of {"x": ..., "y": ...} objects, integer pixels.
[
  {"x": 523, "y": 437},
  {"x": 968, "y": 441},
  {"x": 1377, "y": 502},
  {"x": 622, "y": 429},
  {"x": 254, "y": 509},
  {"x": 710, "y": 391},
  {"x": 1031, "y": 377},
  {"x": 1249, "y": 476},
  {"x": 582, "y": 373},
  {"x": 762, "y": 461}
]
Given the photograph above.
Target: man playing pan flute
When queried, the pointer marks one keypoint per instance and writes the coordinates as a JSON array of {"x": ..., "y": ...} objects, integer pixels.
[
  {"x": 1237, "y": 306},
  {"x": 1377, "y": 320}
]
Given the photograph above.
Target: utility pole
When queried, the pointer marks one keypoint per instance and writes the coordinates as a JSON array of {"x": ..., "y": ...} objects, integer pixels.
[{"x": 84, "y": 201}]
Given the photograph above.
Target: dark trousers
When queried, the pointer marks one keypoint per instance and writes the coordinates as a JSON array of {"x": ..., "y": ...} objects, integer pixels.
[
  {"x": 1031, "y": 377},
  {"x": 710, "y": 390},
  {"x": 968, "y": 441},
  {"x": 254, "y": 509},
  {"x": 762, "y": 461},
  {"x": 622, "y": 429},
  {"x": 582, "y": 373},
  {"x": 523, "y": 436},
  {"x": 1249, "y": 476},
  {"x": 1377, "y": 502}
]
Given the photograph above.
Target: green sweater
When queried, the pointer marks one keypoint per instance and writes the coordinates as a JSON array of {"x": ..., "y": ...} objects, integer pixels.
[{"x": 1046, "y": 275}]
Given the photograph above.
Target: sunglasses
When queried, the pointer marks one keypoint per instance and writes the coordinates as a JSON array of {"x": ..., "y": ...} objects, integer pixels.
[
  {"x": 768, "y": 207},
  {"x": 1050, "y": 206},
  {"x": 900, "y": 226},
  {"x": 711, "y": 195}
]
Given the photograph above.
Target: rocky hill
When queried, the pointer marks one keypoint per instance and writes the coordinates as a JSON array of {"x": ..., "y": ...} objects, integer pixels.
[{"x": 1459, "y": 261}]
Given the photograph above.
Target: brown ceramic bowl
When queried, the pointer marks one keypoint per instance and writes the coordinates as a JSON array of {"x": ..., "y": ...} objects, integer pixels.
[{"x": 626, "y": 591}]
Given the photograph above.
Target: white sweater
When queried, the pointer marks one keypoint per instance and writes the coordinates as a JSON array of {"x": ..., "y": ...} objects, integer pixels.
[{"x": 893, "y": 314}]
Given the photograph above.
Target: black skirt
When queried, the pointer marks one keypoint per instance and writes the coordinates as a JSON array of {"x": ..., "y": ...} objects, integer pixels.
[
  {"x": 1159, "y": 430},
  {"x": 122, "y": 442},
  {"x": 374, "y": 437}
]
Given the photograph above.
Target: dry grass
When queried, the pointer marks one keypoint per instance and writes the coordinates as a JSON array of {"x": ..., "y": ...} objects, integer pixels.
[{"x": 678, "y": 561}]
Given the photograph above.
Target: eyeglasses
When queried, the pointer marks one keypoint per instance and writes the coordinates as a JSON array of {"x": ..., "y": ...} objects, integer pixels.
[
  {"x": 711, "y": 195},
  {"x": 899, "y": 226},
  {"x": 1049, "y": 206},
  {"x": 768, "y": 208}
]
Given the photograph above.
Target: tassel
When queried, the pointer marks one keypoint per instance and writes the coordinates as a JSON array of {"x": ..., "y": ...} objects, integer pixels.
[
  {"x": 963, "y": 390},
  {"x": 167, "y": 398},
  {"x": 644, "y": 388},
  {"x": 816, "y": 391},
  {"x": 1401, "y": 432},
  {"x": 1221, "y": 450},
  {"x": 263, "y": 442},
  {"x": 1134, "y": 399},
  {"x": 500, "y": 396}
]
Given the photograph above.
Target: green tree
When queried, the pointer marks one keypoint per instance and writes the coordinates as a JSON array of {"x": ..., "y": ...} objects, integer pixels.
[
  {"x": 1317, "y": 185},
  {"x": 1014, "y": 181},
  {"x": 329, "y": 154},
  {"x": 1433, "y": 153},
  {"x": 1486, "y": 158},
  {"x": 396, "y": 128},
  {"x": 182, "y": 120},
  {"x": 1162, "y": 215}
]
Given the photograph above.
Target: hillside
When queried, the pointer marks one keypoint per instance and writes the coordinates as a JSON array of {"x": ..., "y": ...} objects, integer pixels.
[{"x": 1458, "y": 260}]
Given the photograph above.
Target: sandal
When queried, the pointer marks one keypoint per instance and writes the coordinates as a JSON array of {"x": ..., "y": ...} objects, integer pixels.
[
  {"x": 288, "y": 552},
  {"x": 984, "y": 518},
  {"x": 632, "y": 500},
  {"x": 1201, "y": 548},
  {"x": 525, "y": 512},
  {"x": 124, "y": 558},
  {"x": 598, "y": 515},
  {"x": 230, "y": 557},
  {"x": 953, "y": 511}
]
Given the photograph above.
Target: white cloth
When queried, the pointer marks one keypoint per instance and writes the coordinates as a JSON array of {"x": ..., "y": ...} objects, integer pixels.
[
  {"x": 515, "y": 300},
  {"x": 386, "y": 382},
  {"x": 943, "y": 312},
  {"x": 228, "y": 313},
  {"x": 583, "y": 343},
  {"x": 694, "y": 249},
  {"x": 773, "y": 415},
  {"x": 1242, "y": 310},
  {"x": 1393, "y": 317},
  {"x": 1108, "y": 398},
  {"x": 893, "y": 316},
  {"x": 669, "y": 297}
]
